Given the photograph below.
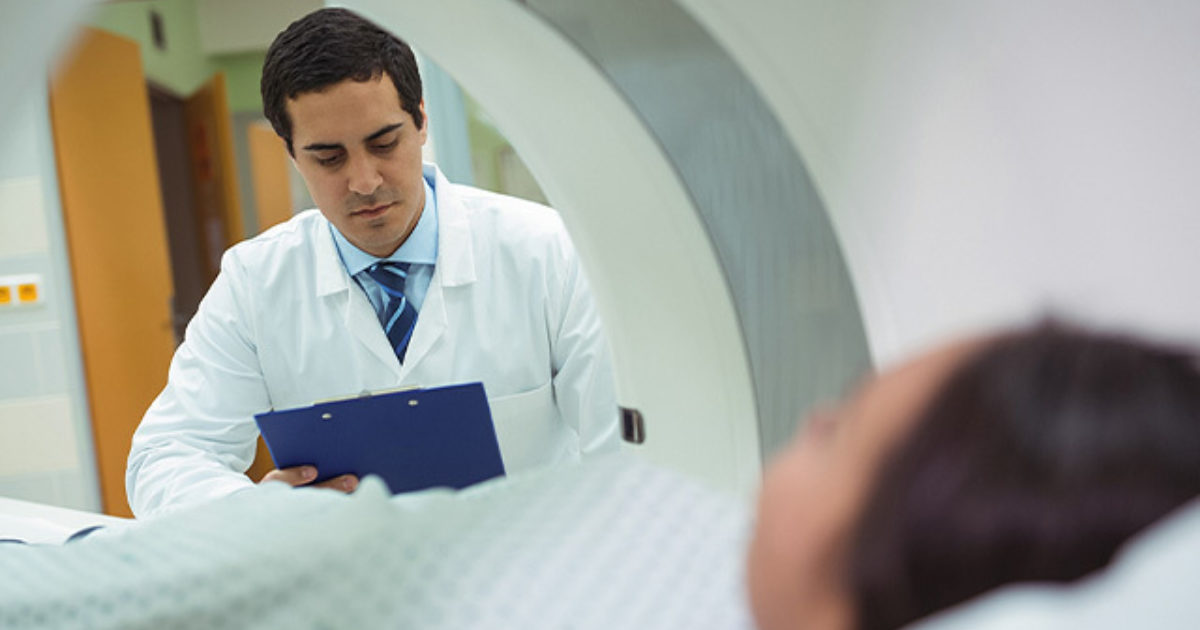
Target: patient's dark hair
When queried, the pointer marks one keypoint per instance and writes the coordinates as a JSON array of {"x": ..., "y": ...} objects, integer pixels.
[
  {"x": 1035, "y": 461},
  {"x": 329, "y": 46}
]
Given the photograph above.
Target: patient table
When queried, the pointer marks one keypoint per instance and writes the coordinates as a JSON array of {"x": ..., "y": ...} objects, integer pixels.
[{"x": 611, "y": 544}]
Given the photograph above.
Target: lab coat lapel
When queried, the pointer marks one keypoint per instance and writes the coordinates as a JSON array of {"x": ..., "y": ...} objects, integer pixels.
[
  {"x": 336, "y": 289},
  {"x": 455, "y": 267},
  {"x": 431, "y": 325},
  {"x": 364, "y": 323}
]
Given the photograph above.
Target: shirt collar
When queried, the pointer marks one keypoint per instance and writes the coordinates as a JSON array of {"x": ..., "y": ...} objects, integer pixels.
[{"x": 419, "y": 248}]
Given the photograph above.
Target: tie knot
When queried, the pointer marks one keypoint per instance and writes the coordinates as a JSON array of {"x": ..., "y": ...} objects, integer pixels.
[
  {"x": 398, "y": 268},
  {"x": 390, "y": 276}
]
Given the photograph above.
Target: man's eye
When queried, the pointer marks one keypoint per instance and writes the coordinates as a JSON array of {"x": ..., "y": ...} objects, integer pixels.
[
  {"x": 387, "y": 146},
  {"x": 329, "y": 161}
]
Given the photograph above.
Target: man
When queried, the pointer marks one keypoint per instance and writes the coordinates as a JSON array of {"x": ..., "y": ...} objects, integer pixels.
[{"x": 398, "y": 278}]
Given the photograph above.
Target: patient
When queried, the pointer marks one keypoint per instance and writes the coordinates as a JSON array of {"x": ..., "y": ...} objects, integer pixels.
[
  {"x": 1025, "y": 457},
  {"x": 1030, "y": 456}
]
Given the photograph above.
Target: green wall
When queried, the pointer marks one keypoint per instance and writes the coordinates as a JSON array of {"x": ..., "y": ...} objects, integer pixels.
[
  {"x": 182, "y": 67},
  {"x": 242, "y": 72}
]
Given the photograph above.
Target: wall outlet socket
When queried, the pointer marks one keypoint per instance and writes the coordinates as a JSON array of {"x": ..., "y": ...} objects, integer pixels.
[{"x": 21, "y": 290}]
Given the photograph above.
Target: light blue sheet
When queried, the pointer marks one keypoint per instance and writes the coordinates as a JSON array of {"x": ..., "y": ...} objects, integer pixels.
[{"x": 610, "y": 544}]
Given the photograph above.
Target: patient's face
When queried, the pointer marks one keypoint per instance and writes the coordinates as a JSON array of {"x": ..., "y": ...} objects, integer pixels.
[{"x": 815, "y": 489}]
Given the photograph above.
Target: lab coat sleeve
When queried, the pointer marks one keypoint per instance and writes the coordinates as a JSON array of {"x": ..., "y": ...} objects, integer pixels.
[
  {"x": 199, "y": 436},
  {"x": 584, "y": 386}
]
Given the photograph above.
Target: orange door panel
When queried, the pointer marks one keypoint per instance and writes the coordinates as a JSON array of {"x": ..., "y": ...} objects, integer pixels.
[
  {"x": 214, "y": 179},
  {"x": 117, "y": 242},
  {"x": 269, "y": 166}
]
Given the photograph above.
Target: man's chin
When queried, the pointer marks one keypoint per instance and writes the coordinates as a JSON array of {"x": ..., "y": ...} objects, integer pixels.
[{"x": 377, "y": 245}]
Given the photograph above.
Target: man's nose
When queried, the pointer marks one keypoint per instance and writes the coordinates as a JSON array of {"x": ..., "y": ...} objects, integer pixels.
[{"x": 364, "y": 176}]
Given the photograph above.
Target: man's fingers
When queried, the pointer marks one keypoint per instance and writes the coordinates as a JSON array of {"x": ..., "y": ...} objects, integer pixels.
[
  {"x": 303, "y": 475},
  {"x": 345, "y": 483},
  {"x": 297, "y": 476}
]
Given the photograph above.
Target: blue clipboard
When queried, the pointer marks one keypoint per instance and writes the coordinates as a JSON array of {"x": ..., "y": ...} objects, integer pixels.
[{"x": 413, "y": 439}]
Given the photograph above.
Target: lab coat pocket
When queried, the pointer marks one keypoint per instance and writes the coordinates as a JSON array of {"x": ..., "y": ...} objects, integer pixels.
[{"x": 529, "y": 429}]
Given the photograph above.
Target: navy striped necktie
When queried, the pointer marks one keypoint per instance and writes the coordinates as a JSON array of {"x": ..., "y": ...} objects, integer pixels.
[{"x": 399, "y": 317}]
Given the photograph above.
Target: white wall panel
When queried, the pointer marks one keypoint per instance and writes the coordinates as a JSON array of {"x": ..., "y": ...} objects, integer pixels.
[
  {"x": 22, "y": 224},
  {"x": 39, "y": 436},
  {"x": 984, "y": 161}
]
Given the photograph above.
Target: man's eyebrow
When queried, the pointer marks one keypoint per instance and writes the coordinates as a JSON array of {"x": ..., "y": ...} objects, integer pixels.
[
  {"x": 384, "y": 131},
  {"x": 321, "y": 146},
  {"x": 317, "y": 146}
]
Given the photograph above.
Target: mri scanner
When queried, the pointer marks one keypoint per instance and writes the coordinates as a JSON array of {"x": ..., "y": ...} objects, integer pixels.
[
  {"x": 771, "y": 196},
  {"x": 720, "y": 280}
]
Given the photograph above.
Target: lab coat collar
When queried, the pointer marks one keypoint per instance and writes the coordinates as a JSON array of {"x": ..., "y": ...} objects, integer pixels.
[
  {"x": 455, "y": 267},
  {"x": 456, "y": 260},
  {"x": 331, "y": 273}
]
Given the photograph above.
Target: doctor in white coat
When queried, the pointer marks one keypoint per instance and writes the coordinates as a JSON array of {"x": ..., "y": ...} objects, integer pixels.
[{"x": 296, "y": 316}]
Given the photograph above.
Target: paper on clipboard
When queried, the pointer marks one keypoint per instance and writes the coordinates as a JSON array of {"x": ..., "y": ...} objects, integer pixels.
[{"x": 412, "y": 438}]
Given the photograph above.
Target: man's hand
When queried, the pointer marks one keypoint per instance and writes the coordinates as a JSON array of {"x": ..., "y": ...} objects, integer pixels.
[{"x": 303, "y": 476}]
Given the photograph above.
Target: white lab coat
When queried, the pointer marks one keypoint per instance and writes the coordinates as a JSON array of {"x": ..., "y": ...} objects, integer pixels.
[{"x": 284, "y": 325}]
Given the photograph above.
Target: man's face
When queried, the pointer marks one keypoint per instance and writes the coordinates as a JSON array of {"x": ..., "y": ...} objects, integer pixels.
[{"x": 360, "y": 155}]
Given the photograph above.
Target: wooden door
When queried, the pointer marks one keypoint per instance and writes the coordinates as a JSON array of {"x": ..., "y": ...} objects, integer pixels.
[
  {"x": 269, "y": 166},
  {"x": 190, "y": 271},
  {"x": 116, "y": 240},
  {"x": 214, "y": 180}
]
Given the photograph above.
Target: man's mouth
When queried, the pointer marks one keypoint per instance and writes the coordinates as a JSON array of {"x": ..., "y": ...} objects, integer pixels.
[{"x": 374, "y": 211}]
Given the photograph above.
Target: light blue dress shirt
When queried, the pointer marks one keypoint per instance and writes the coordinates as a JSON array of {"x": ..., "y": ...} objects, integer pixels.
[{"x": 419, "y": 250}]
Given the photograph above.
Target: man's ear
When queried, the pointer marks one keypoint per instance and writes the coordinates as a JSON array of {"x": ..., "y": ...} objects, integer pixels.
[{"x": 424, "y": 121}]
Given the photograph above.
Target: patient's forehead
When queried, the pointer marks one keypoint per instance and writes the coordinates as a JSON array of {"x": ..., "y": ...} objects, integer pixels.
[{"x": 888, "y": 405}]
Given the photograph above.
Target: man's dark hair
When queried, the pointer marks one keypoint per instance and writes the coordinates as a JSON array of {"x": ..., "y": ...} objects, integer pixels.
[
  {"x": 329, "y": 46},
  {"x": 1035, "y": 461}
]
